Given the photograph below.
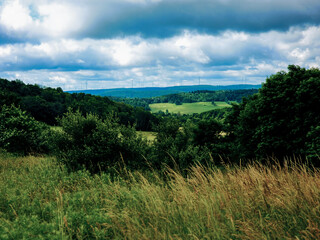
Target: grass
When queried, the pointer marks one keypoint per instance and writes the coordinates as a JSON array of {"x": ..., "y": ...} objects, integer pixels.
[
  {"x": 40, "y": 200},
  {"x": 149, "y": 136},
  {"x": 187, "y": 108}
]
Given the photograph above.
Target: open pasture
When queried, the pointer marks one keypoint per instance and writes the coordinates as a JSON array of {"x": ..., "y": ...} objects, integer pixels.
[{"x": 187, "y": 108}]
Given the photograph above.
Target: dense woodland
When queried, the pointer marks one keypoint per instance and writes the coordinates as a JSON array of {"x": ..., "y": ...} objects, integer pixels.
[
  {"x": 280, "y": 120},
  {"x": 46, "y": 104}
]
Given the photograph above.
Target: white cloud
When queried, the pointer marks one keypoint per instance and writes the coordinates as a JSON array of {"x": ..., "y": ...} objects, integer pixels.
[
  {"x": 58, "y": 79},
  {"x": 59, "y": 19},
  {"x": 46, "y": 20},
  {"x": 15, "y": 16},
  {"x": 5, "y": 51},
  {"x": 225, "y": 58},
  {"x": 188, "y": 48}
]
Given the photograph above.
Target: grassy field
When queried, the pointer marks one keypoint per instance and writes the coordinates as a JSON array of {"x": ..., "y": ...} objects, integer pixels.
[
  {"x": 39, "y": 199},
  {"x": 187, "y": 108}
]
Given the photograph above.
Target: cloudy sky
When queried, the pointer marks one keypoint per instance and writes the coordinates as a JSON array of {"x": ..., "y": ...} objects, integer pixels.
[{"x": 78, "y": 44}]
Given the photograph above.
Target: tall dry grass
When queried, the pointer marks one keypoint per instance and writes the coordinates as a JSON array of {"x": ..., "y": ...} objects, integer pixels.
[{"x": 40, "y": 199}]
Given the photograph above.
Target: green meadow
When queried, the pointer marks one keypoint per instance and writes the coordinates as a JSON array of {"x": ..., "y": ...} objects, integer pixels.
[
  {"x": 187, "y": 108},
  {"x": 40, "y": 199}
]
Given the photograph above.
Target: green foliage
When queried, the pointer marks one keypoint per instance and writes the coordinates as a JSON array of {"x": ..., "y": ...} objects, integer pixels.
[
  {"x": 19, "y": 132},
  {"x": 46, "y": 104},
  {"x": 278, "y": 120},
  {"x": 8, "y": 98},
  {"x": 219, "y": 114},
  {"x": 42, "y": 110},
  {"x": 97, "y": 145},
  {"x": 173, "y": 146},
  {"x": 207, "y": 96},
  {"x": 313, "y": 145},
  {"x": 207, "y": 132}
]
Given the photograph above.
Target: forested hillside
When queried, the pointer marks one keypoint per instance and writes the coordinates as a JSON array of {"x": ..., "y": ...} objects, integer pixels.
[{"x": 46, "y": 104}]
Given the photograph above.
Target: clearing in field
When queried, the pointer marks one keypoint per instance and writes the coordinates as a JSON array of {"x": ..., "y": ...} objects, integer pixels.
[
  {"x": 149, "y": 136},
  {"x": 187, "y": 108}
]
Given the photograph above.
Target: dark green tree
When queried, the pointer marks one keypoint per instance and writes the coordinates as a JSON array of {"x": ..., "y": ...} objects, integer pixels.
[
  {"x": 278, "y": 120},
  {"x": 207, "y": 132}
]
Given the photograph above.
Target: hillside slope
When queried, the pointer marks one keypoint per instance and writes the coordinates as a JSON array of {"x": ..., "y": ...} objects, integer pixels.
[{"x": 46, "y": 104}]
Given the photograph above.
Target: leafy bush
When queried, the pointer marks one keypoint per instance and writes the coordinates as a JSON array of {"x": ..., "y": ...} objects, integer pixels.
[
  {"x": 174, "y": 146},
  {"x": 95, "y": 144},
  {"x": 280, "y": 119},
  {"x": 207, "y": 132},
  {"x": 19, "y": 132}
]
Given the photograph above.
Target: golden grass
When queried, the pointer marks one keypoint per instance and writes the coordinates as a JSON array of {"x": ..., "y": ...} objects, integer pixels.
[{"x": 251, "y": 202}]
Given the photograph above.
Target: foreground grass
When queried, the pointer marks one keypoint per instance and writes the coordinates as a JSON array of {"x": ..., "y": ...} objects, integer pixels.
[
  {"x": 187, "y": 108},
  {"x": 39, "y": 199}
]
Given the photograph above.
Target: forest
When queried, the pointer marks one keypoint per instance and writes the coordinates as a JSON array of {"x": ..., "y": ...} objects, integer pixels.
[
  {"x": 46, "y": 104},
  {"x": 246, "y": 162}
]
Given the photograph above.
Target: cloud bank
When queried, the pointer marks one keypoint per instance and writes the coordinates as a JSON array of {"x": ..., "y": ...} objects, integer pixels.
[{"x": 107, "y": 44}]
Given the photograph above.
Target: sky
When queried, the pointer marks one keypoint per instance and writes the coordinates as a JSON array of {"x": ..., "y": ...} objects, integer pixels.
[{"x": 96, "y": 44}]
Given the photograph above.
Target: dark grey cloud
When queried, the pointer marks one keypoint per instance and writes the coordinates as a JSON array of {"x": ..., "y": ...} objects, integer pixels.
[
  {"x": 168, "y": 18},
  {"x": 151, "y": 19}
]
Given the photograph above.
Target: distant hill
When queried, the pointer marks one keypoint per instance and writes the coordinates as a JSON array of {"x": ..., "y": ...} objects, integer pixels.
[
  {"x": 160, "y": 91},
  {"x": 46, "y": 104}
]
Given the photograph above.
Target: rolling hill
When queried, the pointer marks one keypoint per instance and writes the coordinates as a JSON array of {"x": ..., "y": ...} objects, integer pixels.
[{"x": 160, "y": 91}]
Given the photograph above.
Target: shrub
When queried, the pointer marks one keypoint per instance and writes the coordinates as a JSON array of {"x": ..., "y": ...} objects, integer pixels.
[
  {"x": 19, "y": 132},
  {"x": 174, "y": 148},
  {"x": 95, "y": 144}
]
